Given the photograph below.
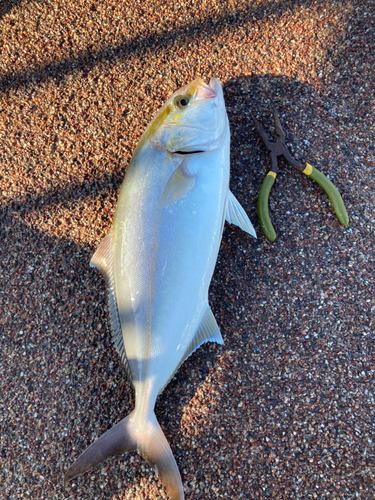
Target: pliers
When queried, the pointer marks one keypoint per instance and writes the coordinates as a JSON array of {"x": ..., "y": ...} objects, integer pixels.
[{"x": 278, "y": 148}]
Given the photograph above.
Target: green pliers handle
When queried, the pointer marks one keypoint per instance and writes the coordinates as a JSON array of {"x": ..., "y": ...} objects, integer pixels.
[
  {"x": 263, "y": 214},
  {"x": 317, "y": 176}
]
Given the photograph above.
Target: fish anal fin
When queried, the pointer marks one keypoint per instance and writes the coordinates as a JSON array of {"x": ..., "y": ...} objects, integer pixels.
[
  {"x": 178, "y": 186},
  {"x": 208, "y": 331},
  {"x": 235, "y": 214},
  {"x": 103, "y": 260}
]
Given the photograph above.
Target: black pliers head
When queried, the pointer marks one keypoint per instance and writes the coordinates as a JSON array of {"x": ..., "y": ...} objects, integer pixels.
[{"x": 278, "y": 148}]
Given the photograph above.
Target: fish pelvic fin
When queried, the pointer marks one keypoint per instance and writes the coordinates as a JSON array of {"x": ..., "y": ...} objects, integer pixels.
[{"x": 128, "y": 435}]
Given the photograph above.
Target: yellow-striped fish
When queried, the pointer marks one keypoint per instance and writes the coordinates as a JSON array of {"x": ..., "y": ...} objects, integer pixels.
[{"x": 158, "y": 260}]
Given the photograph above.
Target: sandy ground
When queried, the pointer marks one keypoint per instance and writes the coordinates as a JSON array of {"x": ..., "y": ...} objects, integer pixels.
[{"x": 285, "y": 409}]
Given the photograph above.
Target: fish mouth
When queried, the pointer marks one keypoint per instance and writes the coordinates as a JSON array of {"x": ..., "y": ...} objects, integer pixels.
[
  {"x": 205, "y": 91},
  {"x": 188, "y": 152},
  {"x": 215, "y": 86}
]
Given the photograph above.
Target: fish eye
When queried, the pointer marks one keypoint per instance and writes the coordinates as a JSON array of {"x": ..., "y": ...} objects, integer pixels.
[{"x": 181, "y": 101}]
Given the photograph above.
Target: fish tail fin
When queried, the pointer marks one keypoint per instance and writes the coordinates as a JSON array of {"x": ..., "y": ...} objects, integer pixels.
[
  {"x": 149, "y": 441},
  {"x": 154, "y": 447},
  {"x": 116, "y": 441}
]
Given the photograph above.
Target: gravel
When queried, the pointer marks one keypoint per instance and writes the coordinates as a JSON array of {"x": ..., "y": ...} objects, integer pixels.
[{"x": 286, "y": 408}]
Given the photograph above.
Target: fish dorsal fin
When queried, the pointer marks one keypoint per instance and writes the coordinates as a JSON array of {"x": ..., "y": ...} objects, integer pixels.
[
  {"x": 235, "y": 214},
  {"x": 179, "y": 184},
  {"x": 103, "y": 260},
  {"x": 208, "y": 331}
]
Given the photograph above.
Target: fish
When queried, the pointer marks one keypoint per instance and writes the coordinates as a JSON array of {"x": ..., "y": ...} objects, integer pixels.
[{"x": 158, "y": 260}]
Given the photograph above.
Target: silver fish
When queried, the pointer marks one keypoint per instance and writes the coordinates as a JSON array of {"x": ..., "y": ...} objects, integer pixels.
[{"x": 158, "y": 261}]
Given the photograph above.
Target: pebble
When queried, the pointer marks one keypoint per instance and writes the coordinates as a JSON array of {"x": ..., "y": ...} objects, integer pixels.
[{"x": 286, "y": 408}]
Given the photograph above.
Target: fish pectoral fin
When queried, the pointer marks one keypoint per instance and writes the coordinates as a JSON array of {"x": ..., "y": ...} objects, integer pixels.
[
  {"x": 235, "y": 214},
  {"x": 150, "y": 442},
  {"x": 178, "y": 186}
]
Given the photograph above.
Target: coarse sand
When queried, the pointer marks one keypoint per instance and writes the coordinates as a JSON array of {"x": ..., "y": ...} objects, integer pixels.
[{"x": 285, "y": 409}]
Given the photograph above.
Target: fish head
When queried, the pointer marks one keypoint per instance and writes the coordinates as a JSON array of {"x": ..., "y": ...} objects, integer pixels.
[{"x": 193, "y": 119}]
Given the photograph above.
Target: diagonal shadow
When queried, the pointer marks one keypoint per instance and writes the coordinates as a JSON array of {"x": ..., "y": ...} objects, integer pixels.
[
  {"x": 104, "y": 184},
  {"x": 101, "y": 184},
  {"x": 155, "y": 41},
  {"x": 7, "y": 5}
]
